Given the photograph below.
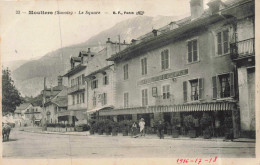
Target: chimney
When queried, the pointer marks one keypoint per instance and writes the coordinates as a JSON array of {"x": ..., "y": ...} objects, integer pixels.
[
  {"x": 133, "y": 41},
  {"x": 59, "y": 80},
  {"x": 108, "y": 40},
  {"x": 196, "y": 8},
  {"x": 214, "y": 6},
  {"x": 88, "y": 50},
  {"x": 155, "y": 32}
]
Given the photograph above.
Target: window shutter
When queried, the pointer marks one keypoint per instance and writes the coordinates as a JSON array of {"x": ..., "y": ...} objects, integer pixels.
[
  {"x": 201, "y": 88},
  {"x": 185, "y": 91},
  {"x": 232, "y": 92},
  {"x": 214, "y": 84},
  {"x": 219, "y": 40},
  {"x": 189, "y": 52}
]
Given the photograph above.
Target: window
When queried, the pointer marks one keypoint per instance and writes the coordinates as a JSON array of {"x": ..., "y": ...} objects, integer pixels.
[
  {"x": 223, "y": 85},
  {"x": 104, "y": 99},
  {"x": 82, "y": 97},
  {"x": 194, "y": 89},
  {"x": 192, "y": 51},
  {"x": 77, "y": 98},
  {"x": 165, "y": 59},
  {"x": 166, "y": 91},
  {"x": 72, "y": 82},
  {"x": 94, "y": 84},
  {"x": 83, "y": 79},
  {"x": 73, "y": 99},
  {"x": 105, "y": 80},
  {"x": 94, "y": 101},
  {"x": 126, "y": 72},
  {"x": 224, "y": 81},
  {"x": 126, "y": 100},
  {"x": 144, "y": 66},
  {"x": 222, "y": 42},
  {"x": 144, "y": 97},
  {"x": 79, "y": 80}
]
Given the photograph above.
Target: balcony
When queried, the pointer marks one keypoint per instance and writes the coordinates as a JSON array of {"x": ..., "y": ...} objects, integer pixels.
[
  {"x": 164, "y": 100},
  {"x": 76, "y": 88},
  {"x": 242, "y": 49}
]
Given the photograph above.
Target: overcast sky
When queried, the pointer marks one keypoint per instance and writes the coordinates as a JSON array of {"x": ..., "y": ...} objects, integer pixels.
[{"x": 25, "y": 36}]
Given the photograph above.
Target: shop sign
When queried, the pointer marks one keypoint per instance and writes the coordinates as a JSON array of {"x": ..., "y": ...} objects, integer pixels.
[{"x": 163, "y": 77}]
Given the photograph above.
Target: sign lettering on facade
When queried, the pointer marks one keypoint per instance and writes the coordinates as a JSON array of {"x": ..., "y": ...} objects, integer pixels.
[{"x": 163, "y": 77}]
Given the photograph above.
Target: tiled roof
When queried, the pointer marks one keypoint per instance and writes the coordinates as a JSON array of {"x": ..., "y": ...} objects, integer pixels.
[
  {"x": 23, "y": 106},
  {"x": 185, "y": 22}
]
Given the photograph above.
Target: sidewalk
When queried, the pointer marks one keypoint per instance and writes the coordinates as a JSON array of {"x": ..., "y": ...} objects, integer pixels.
[{"x": 149, "y": 136}]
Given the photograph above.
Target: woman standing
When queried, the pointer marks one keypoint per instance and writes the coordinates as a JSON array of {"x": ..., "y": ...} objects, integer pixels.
[{"x": 142, "y": 125}]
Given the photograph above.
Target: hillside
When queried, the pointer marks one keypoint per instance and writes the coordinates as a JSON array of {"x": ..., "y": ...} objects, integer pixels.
[{"x": 29, "y": 76}]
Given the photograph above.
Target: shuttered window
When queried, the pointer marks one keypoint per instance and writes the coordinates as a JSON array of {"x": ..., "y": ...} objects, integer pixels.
[
  {"x": 104, "y": 99},
  {"x": 166, "y": 91},
  {"x": 144, "y": 97},
  {"x": 144, "y": 66},
  {"x": 201, "y": 88},
  {"x": 214, "y": 84},
  {"x": 126, "y": 72},
  {"x": 192, "y": 51},
  {"x": 222, "y": 42},
  {"x": 165, "y": 59},
  {"x": 185, "y": 91},
  {"x": 223, "y": 86},
  {"x": 126, "y": 100}
]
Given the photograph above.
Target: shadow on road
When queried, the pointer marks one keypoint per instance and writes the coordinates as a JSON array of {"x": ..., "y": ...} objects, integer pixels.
[{"x": 10, "y": 140}]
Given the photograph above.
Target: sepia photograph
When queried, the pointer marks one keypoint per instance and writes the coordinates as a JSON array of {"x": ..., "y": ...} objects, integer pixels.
[{"x": 129, "y": 79}]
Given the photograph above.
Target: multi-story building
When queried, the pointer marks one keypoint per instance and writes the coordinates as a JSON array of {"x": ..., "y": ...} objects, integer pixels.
[
  {"x": 50, "y": 97},
  {"x": 182, "y": 69},
  {"x": 91, "y": 81},
  {"x": 243, "y": 55}
]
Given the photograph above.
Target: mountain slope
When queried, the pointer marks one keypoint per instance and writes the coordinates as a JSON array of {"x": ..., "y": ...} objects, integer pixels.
[{"x": 29, "y": 76}]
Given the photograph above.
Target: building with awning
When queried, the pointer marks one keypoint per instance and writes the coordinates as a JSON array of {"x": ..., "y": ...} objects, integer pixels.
[{"x": 184, "y": 68}]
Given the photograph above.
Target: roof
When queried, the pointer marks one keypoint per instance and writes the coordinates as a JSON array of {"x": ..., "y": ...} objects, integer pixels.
[
  {"x": 76, "y": 59},
  {"x": 61, "y": 101},
  {"x": 148, "y": 41},
  {"x": 23, "y": 106},
  {"x": 75, "y": 70},
  {"x": 100, "y": 70}
]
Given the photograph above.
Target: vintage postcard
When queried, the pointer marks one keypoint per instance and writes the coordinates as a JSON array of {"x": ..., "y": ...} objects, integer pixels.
[{"x": 129, "y": 82}]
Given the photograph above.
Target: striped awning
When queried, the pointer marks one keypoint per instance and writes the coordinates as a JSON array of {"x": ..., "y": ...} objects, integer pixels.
[{"x": 215, "y": 106}]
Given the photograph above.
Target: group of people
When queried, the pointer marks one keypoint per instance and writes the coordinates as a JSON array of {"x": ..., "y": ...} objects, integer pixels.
[{"x": 142, "y": 128}]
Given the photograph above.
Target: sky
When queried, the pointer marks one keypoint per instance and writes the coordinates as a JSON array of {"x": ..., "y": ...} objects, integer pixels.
[{"x": 26, "y": 37}]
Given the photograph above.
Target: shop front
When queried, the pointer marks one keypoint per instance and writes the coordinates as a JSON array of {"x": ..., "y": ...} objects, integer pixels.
[{"x": 216, "y": 116}]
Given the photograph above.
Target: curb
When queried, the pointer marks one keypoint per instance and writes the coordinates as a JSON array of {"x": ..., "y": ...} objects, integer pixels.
[
  {"x": 168, "y": 138},
  {"x": 56, "y": 133}
]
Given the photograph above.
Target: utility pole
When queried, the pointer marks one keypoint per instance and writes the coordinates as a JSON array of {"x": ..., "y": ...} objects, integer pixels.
[{"x": 119, "y": 43}]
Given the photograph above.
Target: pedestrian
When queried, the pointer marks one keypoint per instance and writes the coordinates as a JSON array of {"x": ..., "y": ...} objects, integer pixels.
[
  {"x": 134, "y": 128},
  {"x": 142, "y": 125},
  {"x": 160, "y": 129}
]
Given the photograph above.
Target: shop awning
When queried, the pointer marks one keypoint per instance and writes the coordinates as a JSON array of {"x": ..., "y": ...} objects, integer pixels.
[
  {"x": 100, "y": 108},
  {"x": 78, "y": 113},
  {"x": 215, "y": 106}
]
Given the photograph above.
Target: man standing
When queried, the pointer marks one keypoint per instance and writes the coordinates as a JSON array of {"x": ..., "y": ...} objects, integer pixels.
[
  {"x": 141, "y": 125},
  {"x": 160, "y": 129}
]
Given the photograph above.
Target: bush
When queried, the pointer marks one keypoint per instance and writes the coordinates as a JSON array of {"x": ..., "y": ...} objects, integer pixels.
[
  {"x": 206, "y": 121},
  {"x": 108, "y": 125},
  {"x": 175, "y": 122},
  {"x": 115, "y": 126},
  {"x": 189, "y": 122},
  {"x": 125, "y": 125}
]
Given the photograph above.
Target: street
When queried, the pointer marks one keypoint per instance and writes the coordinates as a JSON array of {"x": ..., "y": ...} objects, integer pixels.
[{"x": 35, "y": 145}]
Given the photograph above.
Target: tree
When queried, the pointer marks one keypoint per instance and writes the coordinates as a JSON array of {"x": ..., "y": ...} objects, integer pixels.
[{"x": 10, "y": 95}]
